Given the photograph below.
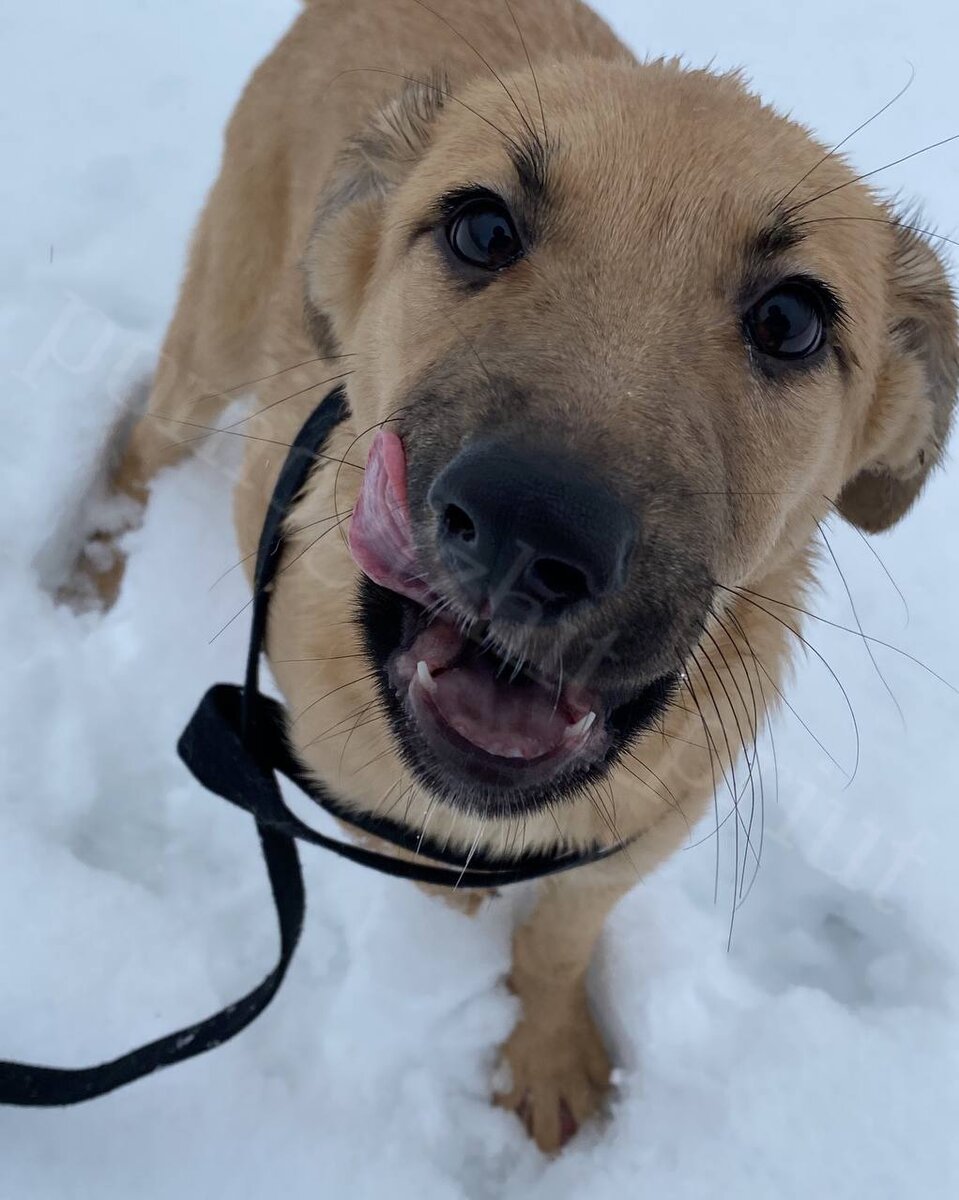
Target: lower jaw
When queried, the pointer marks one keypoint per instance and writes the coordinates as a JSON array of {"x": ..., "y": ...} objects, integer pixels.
[
  {"x": 470, "y": 767},
  {"x": 448, "y": 766}
]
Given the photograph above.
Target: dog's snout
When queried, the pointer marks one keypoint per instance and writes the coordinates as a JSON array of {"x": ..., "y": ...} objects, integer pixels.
[{"x": 527, "y": 534}]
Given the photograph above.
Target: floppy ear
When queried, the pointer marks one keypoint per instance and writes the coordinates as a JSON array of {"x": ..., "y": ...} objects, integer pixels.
[
  {"x": 347, "y": 227},
  {"x": 916, "y": 393}
]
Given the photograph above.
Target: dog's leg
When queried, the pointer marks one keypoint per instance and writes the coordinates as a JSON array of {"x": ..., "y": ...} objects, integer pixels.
[
  {"x": 558, "y": 1064},
  {"x": 157, "y": 439},
  {"x": 187, "y": 399},
  {"x": 142, "y": 445}
]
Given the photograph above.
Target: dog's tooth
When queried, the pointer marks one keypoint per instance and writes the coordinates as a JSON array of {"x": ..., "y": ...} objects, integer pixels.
[
  {"x": 425, "y": 678},
  {"x": 580, "y": 729}
]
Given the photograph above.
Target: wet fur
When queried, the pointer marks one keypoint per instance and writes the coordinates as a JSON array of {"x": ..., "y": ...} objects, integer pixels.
[{"x": 626, "y": 352}]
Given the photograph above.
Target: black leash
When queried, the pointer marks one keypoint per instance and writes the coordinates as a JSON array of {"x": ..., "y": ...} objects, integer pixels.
[{"x": 235, "y": 744}]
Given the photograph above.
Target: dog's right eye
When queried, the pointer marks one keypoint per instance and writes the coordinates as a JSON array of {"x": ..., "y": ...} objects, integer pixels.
[{"x": 481, "y": 232}]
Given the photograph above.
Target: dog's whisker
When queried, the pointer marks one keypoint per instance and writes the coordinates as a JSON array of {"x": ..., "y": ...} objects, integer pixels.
[
  {"x": 670, "y": 794},
  {"x": 437, "y": 90},
  {"x": 339, "y": 729},
  {"x": 713, "y": 754},
  {"x": 721, "y": 677},
  {"x": 469, "y": 858},
  {"x": 375, "y": 759},
  {"x": 332, "y": 692},
  {"x": 430, "y": 809},
  {"x": 744, "y": 595},
  {"x": 729, "y": 762},
  {"x": 230, "y": 570},
  {"x": 377, "y": 812},
  {"x": 891, "y": 222},
  {"x": 292, "y": 396},
  {"x": 321, "y": 659},
  {"x": 855, "y": 614},
  {"x": 738, "y": 823},
  {"x": 764, "y": 670},
  {"x": 529, "y": 63},
  {"x": 250, "y": 383},
  {"x": 834, "y": 150},
  {"x": 485, "y": 61},
  {"x": 755, "y": 766},
  {"x": 877, "y": 556},
  {"x": 795, "y": 208}
]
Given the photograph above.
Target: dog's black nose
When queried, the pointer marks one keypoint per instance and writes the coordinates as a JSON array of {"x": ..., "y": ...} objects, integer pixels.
[{"x": 527, "y": 534}]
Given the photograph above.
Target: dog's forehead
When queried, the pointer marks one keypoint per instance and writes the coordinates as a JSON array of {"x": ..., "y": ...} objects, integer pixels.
[
  {"x": 619, "y": 121},
  {"x": 661, "y": 140},
  {"x": 660, "y": 123}
]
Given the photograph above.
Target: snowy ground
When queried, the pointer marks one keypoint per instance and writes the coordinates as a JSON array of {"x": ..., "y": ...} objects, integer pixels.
[{"x": 820, "y": 1057}]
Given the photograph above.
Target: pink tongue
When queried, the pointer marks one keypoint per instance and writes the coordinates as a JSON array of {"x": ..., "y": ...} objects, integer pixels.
[
  {"x": 380, "y": 537},
  {"x": 511, "y": 720},
  {"x": 515, "y": 721}
]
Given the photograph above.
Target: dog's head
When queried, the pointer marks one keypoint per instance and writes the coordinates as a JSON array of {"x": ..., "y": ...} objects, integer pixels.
[{"x": 625, "y": 349}]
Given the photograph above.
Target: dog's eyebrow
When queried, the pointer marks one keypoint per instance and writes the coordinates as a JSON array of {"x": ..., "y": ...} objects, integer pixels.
[
  {"x": 530, "y": 158},
  {"x": 783, "y": 234}
]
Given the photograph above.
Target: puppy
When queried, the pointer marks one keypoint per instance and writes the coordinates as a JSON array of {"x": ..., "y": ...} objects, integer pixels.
[{"x": 616, "y": 338}]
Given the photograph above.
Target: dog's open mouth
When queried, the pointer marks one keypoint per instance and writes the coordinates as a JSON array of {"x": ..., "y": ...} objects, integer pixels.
[
  {"x": 466, "y": 715},
  {"x": 485, "y": 720}
]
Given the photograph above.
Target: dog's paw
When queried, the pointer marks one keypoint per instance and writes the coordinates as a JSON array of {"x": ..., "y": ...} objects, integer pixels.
[
  {"x": 559, "y": 1077},
  {"x": 96, "y": 577},
  {"x": 113, "y": 506},
  {"x": 97, "y": 572}
]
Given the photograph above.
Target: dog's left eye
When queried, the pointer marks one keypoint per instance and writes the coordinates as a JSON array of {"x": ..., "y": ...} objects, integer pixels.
[
  {"x": 789, "y": 323},
  {"x": 481, "y": 232}
]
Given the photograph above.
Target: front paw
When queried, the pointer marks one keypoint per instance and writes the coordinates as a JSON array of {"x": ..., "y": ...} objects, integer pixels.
[
  {"x": 560, "y": 1075},
  {"x": 114, "y": 506},
  {"x": 97, "y": 573}
]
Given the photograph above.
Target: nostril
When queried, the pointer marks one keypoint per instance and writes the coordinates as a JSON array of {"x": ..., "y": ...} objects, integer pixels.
[
  {"x": 559, "y": 581},
  {"x": 458, "y": 524}
]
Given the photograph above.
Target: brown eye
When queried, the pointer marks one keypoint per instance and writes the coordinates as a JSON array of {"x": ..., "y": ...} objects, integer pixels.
[
  {"x": 482, "y": 234},
  {"x": 789, "y": 322}
]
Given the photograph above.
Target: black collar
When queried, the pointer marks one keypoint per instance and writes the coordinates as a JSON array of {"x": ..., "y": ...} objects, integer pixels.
[{"x": 235, "y": 744}]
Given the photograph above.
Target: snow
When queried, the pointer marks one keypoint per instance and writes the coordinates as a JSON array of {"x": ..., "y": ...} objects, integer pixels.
[{"x": 818, "y": 1057}]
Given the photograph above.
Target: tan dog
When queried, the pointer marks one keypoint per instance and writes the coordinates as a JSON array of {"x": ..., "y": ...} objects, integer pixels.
[{"x": 629, "y": 335}]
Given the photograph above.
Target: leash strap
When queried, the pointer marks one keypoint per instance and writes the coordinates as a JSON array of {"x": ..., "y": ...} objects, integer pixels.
[
  {"x": 234, "y": 745},
  {"x": 213, "y": 748}
]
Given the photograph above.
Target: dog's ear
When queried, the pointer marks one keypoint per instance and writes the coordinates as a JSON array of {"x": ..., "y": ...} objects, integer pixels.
[
  {"x": 373, "y": 162},
  {"x": 912, "y": 411}
]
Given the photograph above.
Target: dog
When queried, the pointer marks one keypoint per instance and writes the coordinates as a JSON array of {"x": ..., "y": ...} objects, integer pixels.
[{"x": 616, "y": 338}]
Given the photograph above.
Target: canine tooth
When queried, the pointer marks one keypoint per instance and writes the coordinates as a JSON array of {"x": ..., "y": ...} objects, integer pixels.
[
  {"x": 425, "y": 678},
  {"x": 581, "y": 728}
]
